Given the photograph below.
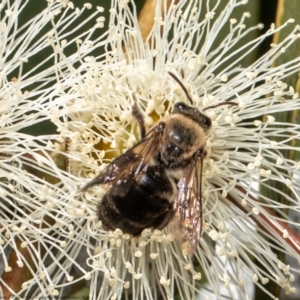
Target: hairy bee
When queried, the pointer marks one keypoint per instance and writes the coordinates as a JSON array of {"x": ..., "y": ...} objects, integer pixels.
[{"x": 159, "y": 178}]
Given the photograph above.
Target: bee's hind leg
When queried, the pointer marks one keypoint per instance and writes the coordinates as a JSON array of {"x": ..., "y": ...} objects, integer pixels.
[
  {"x": 164, "y": 220},
  {"x": 136, "y": 112}
]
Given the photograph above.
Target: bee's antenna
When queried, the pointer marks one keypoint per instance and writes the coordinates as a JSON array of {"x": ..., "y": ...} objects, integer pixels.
[
  {"x": 182, "y": 86},
  {"x": 220, "y": 104}
]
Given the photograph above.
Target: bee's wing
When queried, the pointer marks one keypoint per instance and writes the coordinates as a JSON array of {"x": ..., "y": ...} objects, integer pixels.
[
  {"x": 189, "y": 205},
  {"x": 123, "y": 170}
]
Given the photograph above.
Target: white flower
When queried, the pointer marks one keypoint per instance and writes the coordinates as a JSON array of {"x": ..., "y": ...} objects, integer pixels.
[
  {"x": 31, "y": 181},
  {"x": 91, "y": 107}
]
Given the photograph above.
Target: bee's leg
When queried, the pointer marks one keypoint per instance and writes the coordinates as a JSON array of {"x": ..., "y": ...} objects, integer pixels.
[
  {"x": 201, "y": 153},
  {"x": 165, "y": 219},
  {"x": 136, "y": 112}
]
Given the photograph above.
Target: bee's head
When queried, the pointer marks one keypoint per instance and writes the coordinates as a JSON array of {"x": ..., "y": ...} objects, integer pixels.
[
  {"x": 184, "y": 134},
  {"x": 194, "y": 114}
]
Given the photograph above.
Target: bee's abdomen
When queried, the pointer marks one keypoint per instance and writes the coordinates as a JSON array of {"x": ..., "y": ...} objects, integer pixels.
[{"x": 142, "y": 207}]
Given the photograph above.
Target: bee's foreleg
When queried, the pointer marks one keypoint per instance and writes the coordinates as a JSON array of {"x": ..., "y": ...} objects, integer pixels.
[{"x": 136, "y": 112}]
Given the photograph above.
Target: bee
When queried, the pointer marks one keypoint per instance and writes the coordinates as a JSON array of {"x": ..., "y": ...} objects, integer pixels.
[{"x": 159, "y": 178}]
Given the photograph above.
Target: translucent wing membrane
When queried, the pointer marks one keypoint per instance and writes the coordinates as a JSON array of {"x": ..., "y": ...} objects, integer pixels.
[
  {"x": 123, "y": 170},
  {"x": 189, "y": 205}
]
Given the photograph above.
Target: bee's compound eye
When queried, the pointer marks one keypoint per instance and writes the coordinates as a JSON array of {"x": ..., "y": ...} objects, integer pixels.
[
  {"x": 179, "y": 107},
  {"x": 206, "y": 123}
]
